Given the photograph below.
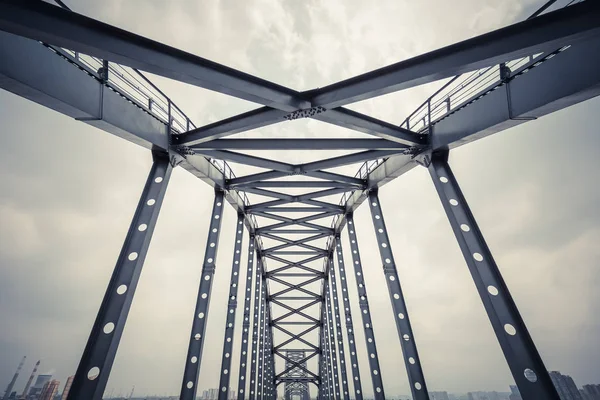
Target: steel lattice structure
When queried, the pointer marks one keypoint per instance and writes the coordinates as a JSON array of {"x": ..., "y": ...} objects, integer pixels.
[{"x": 494, "y": 85}]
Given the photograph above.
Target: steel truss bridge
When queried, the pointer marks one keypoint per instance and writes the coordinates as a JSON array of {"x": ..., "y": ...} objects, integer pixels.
[{"x": 90, "y": 71}]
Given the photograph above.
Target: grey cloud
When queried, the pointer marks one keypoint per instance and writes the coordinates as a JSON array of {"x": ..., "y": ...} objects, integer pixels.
[{"x": 69, "y": 192}]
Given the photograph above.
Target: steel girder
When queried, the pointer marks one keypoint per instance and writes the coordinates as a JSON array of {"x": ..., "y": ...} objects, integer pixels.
[
  {"x": 356, "y": 381},
  {"x": 334, "y": 306},
  {"x": 97, "y": 359},
  {"x": 232, "y": 307},
  {"x": 246, "y": 321},
  {"x": 199, "y": 322},
  {"x": 524, "y": 361},
  {"x": 396, "y": 148}
]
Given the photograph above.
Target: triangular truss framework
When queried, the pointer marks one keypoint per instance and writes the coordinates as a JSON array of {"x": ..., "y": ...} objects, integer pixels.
[{"x": 295, "y": 259}]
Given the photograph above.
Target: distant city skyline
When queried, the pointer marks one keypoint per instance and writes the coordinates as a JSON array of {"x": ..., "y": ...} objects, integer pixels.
[{"x": 46, "y": 388}]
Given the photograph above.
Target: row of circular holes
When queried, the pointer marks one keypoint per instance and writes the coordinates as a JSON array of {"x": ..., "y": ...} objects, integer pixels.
[
  {"x": 331, "y": 337},
  {"x": 492, "y": 290},
  {"x": 204, "y": 296},
  {"x": 406, "y": 337},
  {"x": 396, "y": 296},
  {"x": 346, "y": 304},
  {"x": 109, "y": 327},
  {"x": 338, "y": 324}
]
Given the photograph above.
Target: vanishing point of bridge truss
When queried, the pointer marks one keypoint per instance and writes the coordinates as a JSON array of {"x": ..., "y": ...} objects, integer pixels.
[{"x": 91, "y": 71}]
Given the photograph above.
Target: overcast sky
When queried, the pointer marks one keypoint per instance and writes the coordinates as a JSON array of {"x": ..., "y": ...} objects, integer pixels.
[{"x": 70, "y": 190}]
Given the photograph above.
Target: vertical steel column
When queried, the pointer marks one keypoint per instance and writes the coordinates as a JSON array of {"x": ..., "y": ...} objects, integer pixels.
[
  {"x": 231, "y": 308},
  {"x": 321, "y": 372},
  {"x": 271, "y": 359},
  {"x": 524, "y": 361},
  {"x": 246, "y": 322},
  {"x": 416, "y": 378},
  {"x": 194, "y": 354},
  {"x": 332, "y": 343},
  {"x": 97, "y": 359},
  {"x": 327, "y": 392},
  {"x": 261, "y": 338},
  {"x": 257, "y": 296},
  {"x": 338, "y": 328},
  {"x": 363, "y": 302},
  {"x": 349, "y": 326}
]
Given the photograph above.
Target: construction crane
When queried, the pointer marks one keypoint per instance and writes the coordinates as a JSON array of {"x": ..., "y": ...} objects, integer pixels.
[
  {"x": 24, "y": 394},
  {"x": 9, "y": 388},
  {"x": 131, "y": 394}
]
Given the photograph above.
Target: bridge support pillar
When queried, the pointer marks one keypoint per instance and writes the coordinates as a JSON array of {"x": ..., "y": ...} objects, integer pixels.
[
  {"x": 255, "y": 325},
  {"x": 520, "y": 352},
  {"x": 194, "y": 353},
  {"x": 349, "y": 325},
  {"x": 365, "y": 311},
  {"x": 231, "y": 308},
  {"x": 97, "y": 359},
  {"x": 338, "y": 328},
  {"x": 331, "y": 332},
  {"x": 412, "y": 362},
  {"x": 261, "y": 338},
  {"x": 246, "y": 322},
  {"x": 329, "y": 338}
]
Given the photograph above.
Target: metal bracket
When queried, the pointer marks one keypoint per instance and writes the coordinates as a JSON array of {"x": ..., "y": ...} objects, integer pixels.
[{"x": 308, "y": 113}]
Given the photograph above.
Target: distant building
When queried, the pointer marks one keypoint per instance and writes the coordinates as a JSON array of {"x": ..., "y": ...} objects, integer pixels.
[
  {"x": 37, "y": 387},
  {"x": 487, "y": 396},
  {"x": 590, "y": 392},
  {"x": 514, "y": 393},
  {"x": 65, "y": 392},
  {"x": 438, "y": 396},
  {"x": 49, "y": 390},
  {"x": 565, "y": 386}
]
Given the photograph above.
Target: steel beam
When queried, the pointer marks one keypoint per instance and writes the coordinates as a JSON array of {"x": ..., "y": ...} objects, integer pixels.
[
  {"x": 357, "y": 383},
  {"x": 246, "y": 321},
  {"x": 299, "y": 144},
  {"x": 199, "y": 322},
  {"x": 261, "y": 339},
  {"x": 412, "y": 362},
  {"x": 331, "y": 334},
  {"x": 240, "y": 123},
  {"x": 363, "y": 302},
  {"x": 338, "y": 328},
  {"x": 42, "y": 21},
  {"x": 231, "y": 308},
  {"x": 363, "y": 123},
  {"x": 97, "y": 359},
  {"x": 255, "y": 324},
  {"x": 524, "y": 361},
  {"x": 547, "y": 32}
]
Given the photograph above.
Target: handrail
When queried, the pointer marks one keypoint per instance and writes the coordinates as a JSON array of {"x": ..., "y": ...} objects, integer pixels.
[{"x": 458, "y": 92}]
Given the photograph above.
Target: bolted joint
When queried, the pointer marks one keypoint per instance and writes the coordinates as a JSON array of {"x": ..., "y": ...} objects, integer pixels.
[
  {"x": 389, "y": 269},
  {"x": 209, "y": 268},
  {"x": 505, "y": 72}
]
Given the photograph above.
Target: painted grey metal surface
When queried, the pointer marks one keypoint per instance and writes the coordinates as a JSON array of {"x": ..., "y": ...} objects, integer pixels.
[
  {"x": 255, "y": 327},
  {"x": 356, "y": 381},
  {"x": 339, "y": 337},
  {"x": 365, "y": 312},
  {"x": 331, "y": 342},
  {"x": 246, "y": 327},
  {"x": 568, "y": 40},
  {"x": 406, "y": 336},
  {"x": 97, "y": 359},
  {"x": 231, "y": 308},
  {"x": 524, "y": 361},
  {"x": 196, "y": 342}
]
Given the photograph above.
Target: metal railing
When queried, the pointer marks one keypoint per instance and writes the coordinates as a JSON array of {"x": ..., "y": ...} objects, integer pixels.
[
  {"x": 139, "y": 91},
  {"x": 461, "y": 91}
]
